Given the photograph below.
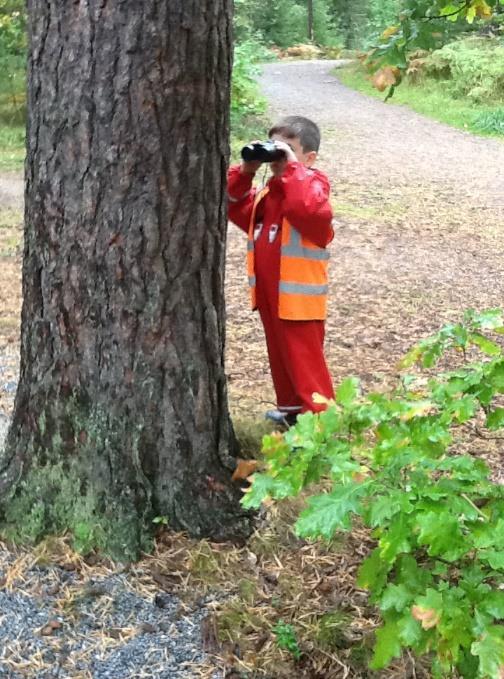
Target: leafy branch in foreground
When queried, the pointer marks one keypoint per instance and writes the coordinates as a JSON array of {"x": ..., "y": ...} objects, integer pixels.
[
  {"x": 421, "y": 25},
  {"x": 437, "y": 571}
]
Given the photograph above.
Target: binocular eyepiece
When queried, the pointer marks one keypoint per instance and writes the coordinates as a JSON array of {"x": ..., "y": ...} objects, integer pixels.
[{"x": 263, "y": 152}]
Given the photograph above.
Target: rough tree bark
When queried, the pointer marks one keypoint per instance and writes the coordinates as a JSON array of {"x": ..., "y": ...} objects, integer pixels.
[{"x": 121, "y": 412}]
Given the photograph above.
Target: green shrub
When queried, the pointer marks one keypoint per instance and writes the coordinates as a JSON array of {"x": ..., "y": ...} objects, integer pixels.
[
  {"x": 325, "y": 30},
  {"x": 437, "y": 571},
  {"x": 245, "y": 97},
  {"x": 12, "y": 83},
  {"x": 12, "y": 29},
  {"x": 248, "y": 106},
  {"x": 472, "y": 67}
]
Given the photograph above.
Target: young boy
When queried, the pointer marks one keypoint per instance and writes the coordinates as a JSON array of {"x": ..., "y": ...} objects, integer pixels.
[{"x": 289, "y": 225}]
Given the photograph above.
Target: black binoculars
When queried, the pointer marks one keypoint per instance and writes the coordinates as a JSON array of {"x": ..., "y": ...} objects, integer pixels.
[{"x": 262, "y": 151}]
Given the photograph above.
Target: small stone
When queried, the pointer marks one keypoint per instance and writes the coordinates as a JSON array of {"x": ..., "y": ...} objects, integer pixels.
[
  {"x": 51, "y": 626},
  {"x": 147, "y": 628},
  {"x": 52, "y": 590},
  {"x": 95, "y": 590},
  {"x": 114, "y": 632},
  {"x": 68, "y": 566},
  {"x": 162, "y": 600}
]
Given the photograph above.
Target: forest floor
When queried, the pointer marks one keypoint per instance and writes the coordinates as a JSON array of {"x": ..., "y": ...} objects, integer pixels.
[{"x": 420, "y": 212}]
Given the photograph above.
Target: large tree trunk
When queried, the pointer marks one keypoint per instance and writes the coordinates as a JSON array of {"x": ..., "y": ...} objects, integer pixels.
[{"x": 121, "y": 412}]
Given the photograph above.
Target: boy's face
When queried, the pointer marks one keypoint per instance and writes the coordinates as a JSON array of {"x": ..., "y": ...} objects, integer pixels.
[{"x": 307, "y": 158}]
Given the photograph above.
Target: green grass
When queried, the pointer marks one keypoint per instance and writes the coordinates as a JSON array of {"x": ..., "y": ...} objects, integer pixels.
[
  {"x": 12, "y": 120},
  {"x": 492, "y": 121},
  {"x": 12, "y": 148},
  {"x": 430, "y": 98}
]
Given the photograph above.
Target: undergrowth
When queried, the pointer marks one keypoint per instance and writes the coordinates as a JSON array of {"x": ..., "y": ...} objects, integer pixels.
[
  {"x": 248, "y": 106},
  {"x": 392, "y": 463},
  {"x": 472, "y": 68}
]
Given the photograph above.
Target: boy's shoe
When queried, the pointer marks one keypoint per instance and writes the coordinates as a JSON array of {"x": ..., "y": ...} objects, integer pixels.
[{"x": 283, "y": 419}]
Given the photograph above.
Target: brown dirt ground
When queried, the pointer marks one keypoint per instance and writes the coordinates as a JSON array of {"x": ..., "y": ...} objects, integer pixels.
[{"x": 10, "y": 300}]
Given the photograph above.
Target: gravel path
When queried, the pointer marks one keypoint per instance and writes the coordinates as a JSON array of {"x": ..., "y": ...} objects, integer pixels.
[
  {"x": 11, "y": 190},
  {"x": 66, "y": 620}
]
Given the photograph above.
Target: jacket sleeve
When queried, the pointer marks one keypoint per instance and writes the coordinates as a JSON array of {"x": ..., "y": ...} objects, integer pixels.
[
  {"x": 241, "y": 195},
  {"x": 306, "y": 203}
]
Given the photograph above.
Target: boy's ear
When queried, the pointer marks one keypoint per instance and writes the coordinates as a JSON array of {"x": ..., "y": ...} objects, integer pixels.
[{"x": 310, "y": 158}]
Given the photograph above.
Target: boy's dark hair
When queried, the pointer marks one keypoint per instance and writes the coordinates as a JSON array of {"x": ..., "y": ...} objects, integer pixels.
[{"x": 301, "y": 128}]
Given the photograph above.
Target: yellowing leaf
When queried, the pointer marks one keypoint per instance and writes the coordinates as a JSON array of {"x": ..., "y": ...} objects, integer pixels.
[
  {"x": 388, "y": 32},
  {"x": 471, "y": 14},
  {"x": 419, "y": 410},
  {"x": 410, "y": 359},
  {"x": 361, "y": 475},
  {"x": 244, "y": 469},
  {"x": 483, "y": 10},
  {"x": 385, "y": 77},
  {"x": 428, "y": 617},
  {"x": 322, "y": 400}
]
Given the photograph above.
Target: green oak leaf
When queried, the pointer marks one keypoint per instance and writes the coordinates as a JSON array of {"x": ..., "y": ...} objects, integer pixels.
[
  {"x": 487, "y": 346},
  {"x": 395, "y": 597},
  {"x": 490, "y": 651},
  {"x": 347, "y": 392},
  {"x": 397, "y": 540},
  {"x": 495, "y": 419},
  {"x": 493, "y": 604},
  {"x": 331, "y": 511},
  {"x": 387, "y": 647},
  {"x": 493, "y": 557},
  {"x": 373, "y": 572},
  {"x": 440, "y": 532}
]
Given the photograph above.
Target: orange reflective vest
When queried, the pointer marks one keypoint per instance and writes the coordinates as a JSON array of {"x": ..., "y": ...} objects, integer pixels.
[{"x": 303, "y": 284}]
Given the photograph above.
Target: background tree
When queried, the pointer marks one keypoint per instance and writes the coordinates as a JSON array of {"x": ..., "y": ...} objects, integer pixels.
[
  {"x": 121, "y": 411},
  {"x": 309, "y": 4},
  {"x": 285, "y": 22}
]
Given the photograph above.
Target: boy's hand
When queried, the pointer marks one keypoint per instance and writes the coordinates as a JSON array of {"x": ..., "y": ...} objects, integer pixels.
[
  {"x": 251, "y": 167},
  {"x": 278, "y": 166},
  {"x": 290, "y": 156}
]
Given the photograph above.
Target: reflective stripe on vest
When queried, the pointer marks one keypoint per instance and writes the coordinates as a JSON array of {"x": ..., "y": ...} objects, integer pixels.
[
  {"x": 251, "y": 247},
  {"x": 303, "y": 289},
  {"x": 295, "y": 248},
  {"x": 303, "y": 285}
]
